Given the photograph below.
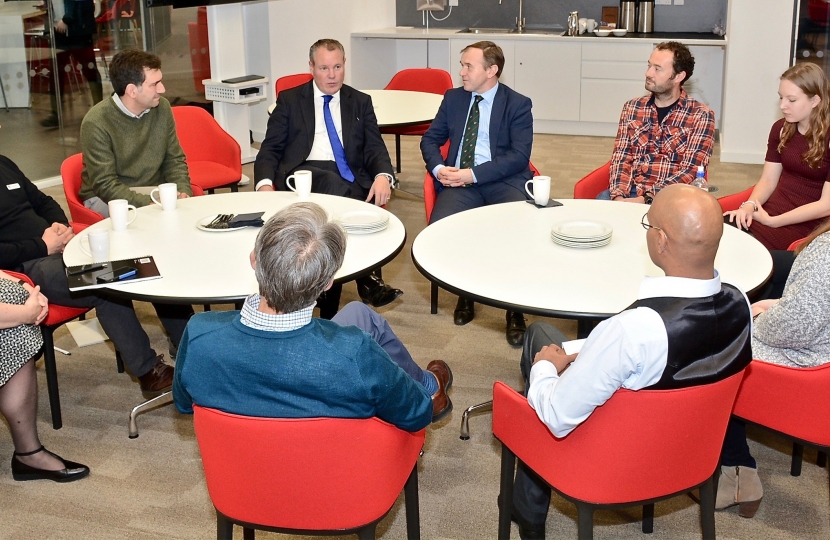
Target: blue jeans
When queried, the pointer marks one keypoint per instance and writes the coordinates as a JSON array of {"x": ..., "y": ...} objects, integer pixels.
[{"x": 371, "y": 322}]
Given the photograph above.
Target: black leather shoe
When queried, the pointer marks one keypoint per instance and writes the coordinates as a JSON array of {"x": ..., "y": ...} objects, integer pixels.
[
  {"x": 515, "y": 328},
  {"x": 464, "y": 311},
  {"x": 22, "y": 472},
  {"x": 374, "y": 291}
]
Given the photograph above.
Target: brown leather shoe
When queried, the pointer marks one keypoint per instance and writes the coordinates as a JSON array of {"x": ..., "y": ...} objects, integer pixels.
[
  {"x": 441, "y": 403},
  {"x": 158, "y": 380}
]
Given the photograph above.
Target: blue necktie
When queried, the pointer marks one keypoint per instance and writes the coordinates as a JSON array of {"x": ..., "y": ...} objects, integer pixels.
[{"x": 336, "y": 145}]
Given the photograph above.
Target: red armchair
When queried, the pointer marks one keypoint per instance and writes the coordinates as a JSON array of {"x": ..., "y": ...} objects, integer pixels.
[
  {"x": 433, "y": 81},
  {"x": 58, "y": 315},
  {"x": 789, "y": 401},
  {"x": 290, "y": 81},
  {"x": 595, "y": 183},
  {"x": 71, "y": 174},
  {"x": 214, "y": 159},
  {"x": 626, "y": 453},
  {"x": 307, "y": 476}
]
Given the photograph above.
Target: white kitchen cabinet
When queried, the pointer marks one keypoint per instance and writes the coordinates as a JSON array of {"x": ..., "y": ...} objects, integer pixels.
[
  {"x": 611, "y": 75},
  {"x": 549, "y": 74}
]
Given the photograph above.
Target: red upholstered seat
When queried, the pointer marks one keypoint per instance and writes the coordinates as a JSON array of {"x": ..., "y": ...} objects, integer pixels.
[
  {"x": 733, "y": 202},
  {"x": 594, "y": 183},
  {"x": 296, "y": 475},
  {"x": 791, "y": 401},
  {"x": 214, "y": 159},
  {"x": 71, "y": 174},
  {"x": 433, "y": 81},
  {"x": 626, "y": 453},
  {"x": 290, "y": 81}
]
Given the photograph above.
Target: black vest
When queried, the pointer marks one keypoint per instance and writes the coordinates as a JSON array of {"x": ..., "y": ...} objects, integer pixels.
[{"x": 709, "y": 337}]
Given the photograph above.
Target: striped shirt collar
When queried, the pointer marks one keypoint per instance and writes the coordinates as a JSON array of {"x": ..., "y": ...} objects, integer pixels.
[{"x": 284, "y": 322}]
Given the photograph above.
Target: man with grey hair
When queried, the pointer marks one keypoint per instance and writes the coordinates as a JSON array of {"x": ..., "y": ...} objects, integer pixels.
[{"x": 272, "y": 359}]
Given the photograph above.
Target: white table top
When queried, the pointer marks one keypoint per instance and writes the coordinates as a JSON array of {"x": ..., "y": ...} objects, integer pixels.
[
  {"x": 402, "y": 107},
  {"x": 199, "y": 266},
  {"x": 502, "y": 255}
]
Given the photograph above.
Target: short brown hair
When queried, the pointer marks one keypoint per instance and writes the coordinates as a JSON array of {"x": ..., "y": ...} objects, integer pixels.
[
  {"x": 328, "y": 44},
  {"x": 683, "y": 59},
  {"x": 493, "y": 54},
  {"x": 127, "y": 67}
]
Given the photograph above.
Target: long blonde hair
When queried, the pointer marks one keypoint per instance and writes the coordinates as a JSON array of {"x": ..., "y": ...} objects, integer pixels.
[{"x": 813, "y": 82}]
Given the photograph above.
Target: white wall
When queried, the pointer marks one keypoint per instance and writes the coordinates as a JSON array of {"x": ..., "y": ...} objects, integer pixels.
[{"x": 759, "y": 50}]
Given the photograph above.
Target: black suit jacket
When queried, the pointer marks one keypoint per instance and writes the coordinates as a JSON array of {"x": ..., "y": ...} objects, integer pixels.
[
  {"x": 511, "y": 136},
  {"x": 290, "y": 135}
]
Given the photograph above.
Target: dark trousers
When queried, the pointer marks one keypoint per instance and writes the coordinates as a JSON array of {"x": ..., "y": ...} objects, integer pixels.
[
  {"x": 117, "y": 317},
  {"x": 325, "y": 178},
  {"x": 531, "y": 495},
  {"x": 453, "y": 200},
  {"x": 782, "y": 263},
  {"x": 735, "y": 451}
]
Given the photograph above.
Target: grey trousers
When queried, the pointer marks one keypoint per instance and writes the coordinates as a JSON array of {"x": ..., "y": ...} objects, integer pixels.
[
  {"x": 117, "y": 317},
  {"x": 531, "y": 495}
]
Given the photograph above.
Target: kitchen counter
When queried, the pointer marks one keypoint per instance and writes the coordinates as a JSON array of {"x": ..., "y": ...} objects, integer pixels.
[{"x": 408, "y": 32}]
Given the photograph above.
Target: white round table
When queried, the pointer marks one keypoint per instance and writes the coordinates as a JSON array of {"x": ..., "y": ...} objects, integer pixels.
[
  {"x": 200, "y": 267},
  {"x": 502, "y": 255},
  {"x": 398, "y": 108}
]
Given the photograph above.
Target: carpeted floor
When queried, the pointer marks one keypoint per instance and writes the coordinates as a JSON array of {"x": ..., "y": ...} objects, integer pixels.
[{"x": 153, "y": 487}]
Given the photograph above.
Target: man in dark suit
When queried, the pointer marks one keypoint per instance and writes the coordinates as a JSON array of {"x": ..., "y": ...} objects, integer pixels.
[
  {"x": 330, "y": 129},
  {"x": 490, "y": 131}
]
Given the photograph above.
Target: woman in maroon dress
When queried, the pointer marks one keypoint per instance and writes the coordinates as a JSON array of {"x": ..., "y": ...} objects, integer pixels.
[{"x": 793, "y": 194}]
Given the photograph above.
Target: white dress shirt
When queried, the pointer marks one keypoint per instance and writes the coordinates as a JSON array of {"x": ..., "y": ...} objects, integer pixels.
[
  {"x": 482, "y": 152},
  {"x": 629, "y": 350}
]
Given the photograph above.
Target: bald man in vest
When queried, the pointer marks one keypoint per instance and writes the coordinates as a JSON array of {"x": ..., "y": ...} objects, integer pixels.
[{"x": 655, "y": 343}]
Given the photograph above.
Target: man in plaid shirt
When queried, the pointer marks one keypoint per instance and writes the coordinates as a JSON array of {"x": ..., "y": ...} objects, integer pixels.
[{"x": 662, "y": 137}]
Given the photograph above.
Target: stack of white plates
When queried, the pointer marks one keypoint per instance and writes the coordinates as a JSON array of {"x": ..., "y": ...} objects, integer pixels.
[
  {"x": 363, "y": 221},
  {"x": 581, "y": 234}
]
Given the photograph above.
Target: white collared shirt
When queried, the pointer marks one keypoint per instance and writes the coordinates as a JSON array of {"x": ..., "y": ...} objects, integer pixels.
[
  {"x": 321, "y": 148},
  {"x": 629, "y": 350},
  {"x": 124, "y": 108}
]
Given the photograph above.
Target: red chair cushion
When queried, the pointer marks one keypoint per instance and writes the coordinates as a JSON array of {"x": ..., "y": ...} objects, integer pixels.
[
  {"x": 210, "y": 175},
  {"x": 57, "y": 314},
  {"x": 594, "y": 183},
  {"x": 637, "y": 446}
]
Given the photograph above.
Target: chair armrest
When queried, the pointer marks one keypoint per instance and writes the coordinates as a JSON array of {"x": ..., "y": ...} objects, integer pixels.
[{"x": 594, "y": 183}]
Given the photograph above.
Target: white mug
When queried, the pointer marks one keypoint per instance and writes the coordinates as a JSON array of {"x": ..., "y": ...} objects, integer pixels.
[
  {"x": 541, "y": 189},
  {"x": 302, "y": 183},
  {"x": 99, "y": 245},
  {"x": 591, "y": 25},
  {"x": 120, "y": 214},
  {"x": 583, "y": 25},
  {"x": 168, "y": 193}
]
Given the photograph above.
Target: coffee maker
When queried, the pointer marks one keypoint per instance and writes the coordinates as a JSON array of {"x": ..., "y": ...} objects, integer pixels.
[
  {"x": 628, "y": 15},
  {"x": 645, "y": 16}
]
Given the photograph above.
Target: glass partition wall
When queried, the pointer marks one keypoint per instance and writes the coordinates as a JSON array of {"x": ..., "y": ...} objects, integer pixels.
[{"x": 53, "y": 68}]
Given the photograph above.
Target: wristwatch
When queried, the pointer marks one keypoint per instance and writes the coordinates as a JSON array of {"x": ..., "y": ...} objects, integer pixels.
[
  {"x": 648, "y": 198},
  {"x": 393, "y": 182}
]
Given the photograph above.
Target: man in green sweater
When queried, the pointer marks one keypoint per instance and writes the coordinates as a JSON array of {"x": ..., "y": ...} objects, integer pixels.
[{"x": 129, "y": 141}]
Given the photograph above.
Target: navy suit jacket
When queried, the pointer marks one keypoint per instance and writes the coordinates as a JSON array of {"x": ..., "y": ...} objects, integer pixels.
[
  {"x": 290, "y": 135},
  {"x": 511, "y": 136}
]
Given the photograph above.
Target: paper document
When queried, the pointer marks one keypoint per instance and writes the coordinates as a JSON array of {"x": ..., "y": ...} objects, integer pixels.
[{"x": 574, "y": 346}]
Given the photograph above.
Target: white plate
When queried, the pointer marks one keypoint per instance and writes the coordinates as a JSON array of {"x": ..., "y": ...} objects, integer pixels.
[
  {"x": 362, "y": 218},
  {"x": 581, "y": 230},
  {"x": 364, "y": 230},
  {"x": 201, "y": 225},
  {"x": 582, "y": 245}
]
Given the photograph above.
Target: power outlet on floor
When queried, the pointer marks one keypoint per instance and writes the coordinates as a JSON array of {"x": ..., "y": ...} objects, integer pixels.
[
  {"x": 453, "y": 3},
  {"x": 662, "y": 2},
  {"x": 679, "y": 2}
]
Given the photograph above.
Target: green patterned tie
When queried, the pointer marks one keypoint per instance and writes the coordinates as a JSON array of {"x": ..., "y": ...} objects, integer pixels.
[{"x": 468, "y": 149}]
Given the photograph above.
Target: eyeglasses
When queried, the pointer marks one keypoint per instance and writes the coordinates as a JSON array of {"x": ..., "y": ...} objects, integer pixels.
[{"x": 648, "y": 226}]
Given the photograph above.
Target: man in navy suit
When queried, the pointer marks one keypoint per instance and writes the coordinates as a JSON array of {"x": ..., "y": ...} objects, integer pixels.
[
  {"x": 330, "y": 129},
  {"x": 490, "y": 131}
]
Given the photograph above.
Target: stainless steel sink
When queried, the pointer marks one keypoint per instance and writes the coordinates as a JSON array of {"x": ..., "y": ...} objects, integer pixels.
[
  {"x": 480, "y": 30},
  {"x": 531, "y": 32}
]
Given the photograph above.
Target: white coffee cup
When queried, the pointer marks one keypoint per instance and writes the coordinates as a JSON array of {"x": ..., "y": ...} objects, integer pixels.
[
  {"x": 583, "y": 25},
  {"x": 168, "y": 193},
  {"x": 541, "y": 189},
  {"x": 120, "y": 214},
  {"x": 591, "y": 25},
  {"x": 99, "y": 245},
  {"x": 302, "y": 183}
]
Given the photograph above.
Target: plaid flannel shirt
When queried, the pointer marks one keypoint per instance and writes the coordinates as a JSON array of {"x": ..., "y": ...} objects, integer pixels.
[{"x": 652, "y": 155}]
